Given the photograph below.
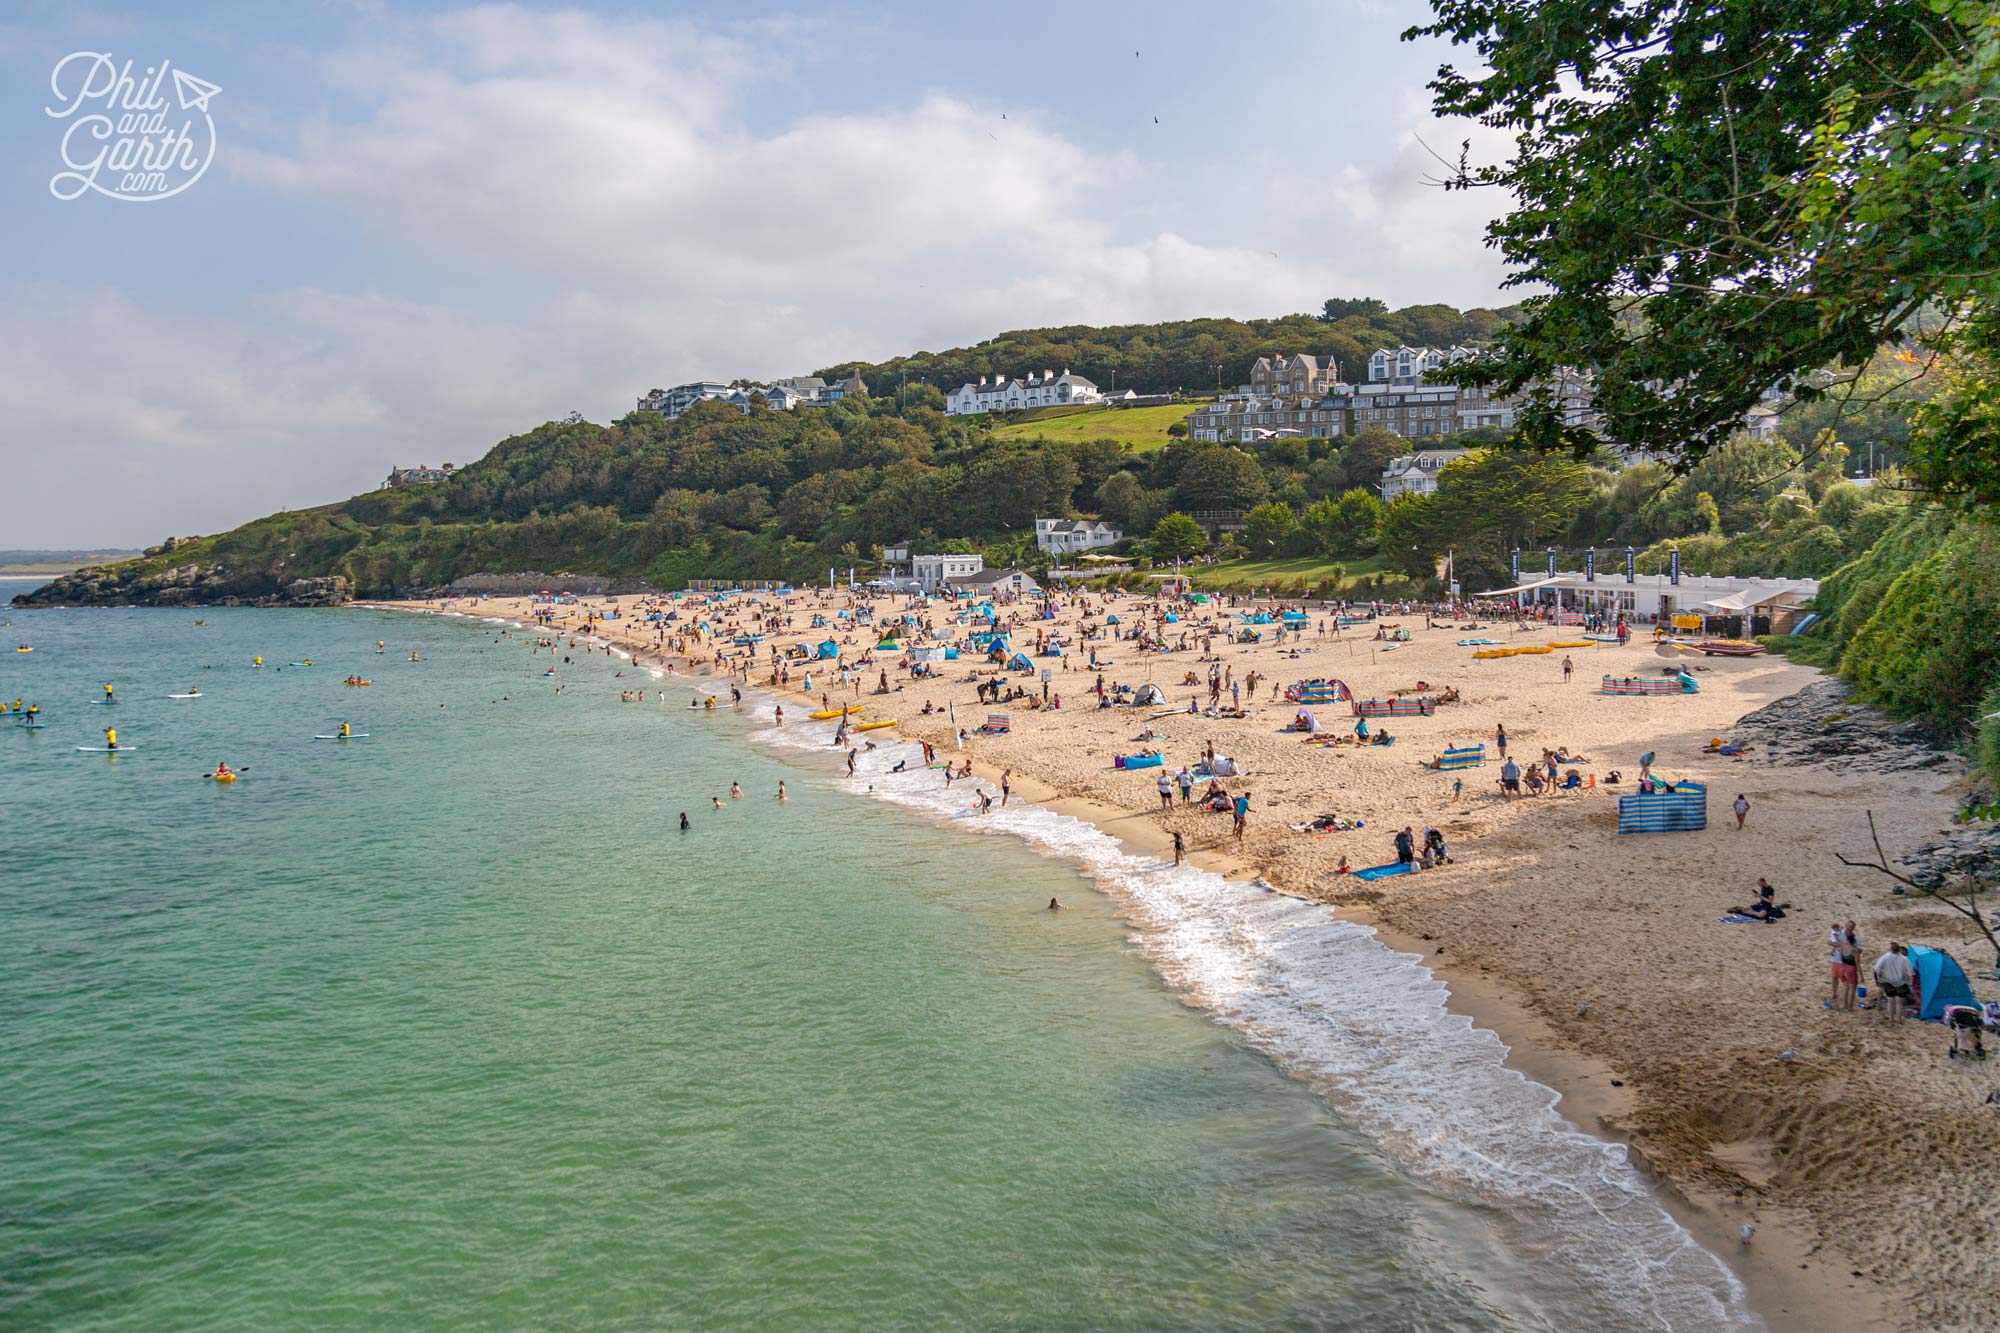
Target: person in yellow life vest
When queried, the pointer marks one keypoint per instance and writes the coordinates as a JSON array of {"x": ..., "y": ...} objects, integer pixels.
[
  {"x": 107, "y": 689},
  {"x": 415, "y": 658},
  {"x": 17, "y": 705},
  {"x": 111, "y": 738},
  {"x": 344, "y": 732},
  {"x": 257, "y": 662},
  {"x": 33, "y": 711}
]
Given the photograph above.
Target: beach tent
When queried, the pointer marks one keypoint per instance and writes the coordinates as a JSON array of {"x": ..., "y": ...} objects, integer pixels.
[
  {"x": 1940, "y": 981},
  {"x": 1020, "y": 662},
  {"x": 1305, "y": 721},
  {"x": 829, "y": 650},
  {"x": 1149, "y": 694}
]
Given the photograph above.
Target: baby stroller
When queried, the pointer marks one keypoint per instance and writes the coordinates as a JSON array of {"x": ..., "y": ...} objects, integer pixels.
[{"x": 1966, "y": 1025}]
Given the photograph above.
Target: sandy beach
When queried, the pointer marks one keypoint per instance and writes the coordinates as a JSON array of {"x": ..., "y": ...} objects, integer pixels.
[{"x": 1863, "y": 1157}]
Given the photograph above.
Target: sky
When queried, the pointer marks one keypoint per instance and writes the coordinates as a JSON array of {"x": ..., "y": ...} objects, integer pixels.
[{"x": 419, "y": 228}]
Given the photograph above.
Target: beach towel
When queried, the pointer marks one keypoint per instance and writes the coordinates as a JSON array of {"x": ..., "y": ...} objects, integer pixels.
[
  {"x": 1738, "y": 919},
  {"x": 1383, "y": 872}
]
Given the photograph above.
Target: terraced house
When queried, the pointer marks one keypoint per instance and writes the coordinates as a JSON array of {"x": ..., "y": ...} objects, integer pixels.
[
  {"x": 1399, "y": 396},
  {"x": 1047, "y": 389}
]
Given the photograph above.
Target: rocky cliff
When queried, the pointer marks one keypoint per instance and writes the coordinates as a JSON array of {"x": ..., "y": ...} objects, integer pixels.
[{"x": 193, "y": 584}]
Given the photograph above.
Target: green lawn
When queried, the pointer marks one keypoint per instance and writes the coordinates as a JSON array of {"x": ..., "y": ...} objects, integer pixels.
[
  {"x": 1144, "y": 428},
  {"x": 1311, "y": 568}
]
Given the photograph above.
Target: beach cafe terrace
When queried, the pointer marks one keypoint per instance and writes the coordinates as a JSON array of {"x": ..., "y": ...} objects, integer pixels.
[{"x": 1774, "y": 606}]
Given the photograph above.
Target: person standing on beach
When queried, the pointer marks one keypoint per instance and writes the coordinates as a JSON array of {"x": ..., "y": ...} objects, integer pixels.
[
  {"x": 1006, "y": 785},
  {"x": 1186, "y": 780},
  {"x": 1500, "y": 739},
  {"x": 1844, "y": 964},
  {"x": 1165, "y": 785},
  {"x": 1510, "y": 778},
  {"x": 1741, "y": 807},
  {"x": 1568, "y": 668},
  {"x": 1406, "y": 846},
  {"x": 1241, "y": 808},
  {"x": 1180, "y": 847},
  {"x": 1893, "y": 975}
]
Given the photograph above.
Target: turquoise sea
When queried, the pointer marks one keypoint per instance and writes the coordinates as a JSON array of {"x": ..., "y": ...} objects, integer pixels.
[{"x": 452, "y": 1026}]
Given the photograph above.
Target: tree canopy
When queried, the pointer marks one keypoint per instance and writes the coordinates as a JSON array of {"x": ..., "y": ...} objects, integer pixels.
[{"x": 1725, "y": 196}]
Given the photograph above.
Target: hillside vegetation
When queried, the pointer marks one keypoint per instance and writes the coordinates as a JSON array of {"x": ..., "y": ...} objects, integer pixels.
[
  {"x": 1191, "y": 355},
  {"x": 1143, "y": 428}
]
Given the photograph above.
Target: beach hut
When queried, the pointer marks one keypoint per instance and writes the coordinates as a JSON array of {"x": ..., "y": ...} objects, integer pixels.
[
  {"x": 1940, "y": 982},
  {"x": 1683, "y": 810}
]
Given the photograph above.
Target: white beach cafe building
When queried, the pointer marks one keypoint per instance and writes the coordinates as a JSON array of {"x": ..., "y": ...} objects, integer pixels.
[{"x": 1774, "y": 606}]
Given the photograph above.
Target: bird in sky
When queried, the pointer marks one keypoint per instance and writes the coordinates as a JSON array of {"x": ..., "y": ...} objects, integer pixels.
[{"x": 1156, "y": 120}]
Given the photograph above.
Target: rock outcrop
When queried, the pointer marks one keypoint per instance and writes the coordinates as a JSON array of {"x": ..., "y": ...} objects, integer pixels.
[{"x": 192, "y": 584}]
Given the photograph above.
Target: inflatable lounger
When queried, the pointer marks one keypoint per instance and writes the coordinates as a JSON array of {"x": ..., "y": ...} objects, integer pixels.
[{"x": 1137, "y": 760}]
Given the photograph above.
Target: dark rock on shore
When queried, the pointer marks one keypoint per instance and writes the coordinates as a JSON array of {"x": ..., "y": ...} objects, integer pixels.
[
  {"x": 1820, "y": 724},
  {"x": 192, "y": 584},
  {"x": 1974, "y": 850}
]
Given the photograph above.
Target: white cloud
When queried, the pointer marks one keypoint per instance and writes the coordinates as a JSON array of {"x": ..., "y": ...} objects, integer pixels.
[{"x": 592, "y": 207}]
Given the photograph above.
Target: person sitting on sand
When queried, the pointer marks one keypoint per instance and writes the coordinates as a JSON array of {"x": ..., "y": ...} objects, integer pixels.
[{"x": 1765, "y": 905}]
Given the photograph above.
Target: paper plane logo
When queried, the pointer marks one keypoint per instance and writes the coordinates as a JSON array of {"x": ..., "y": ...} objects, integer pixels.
[
  {"x": 194, "y": 93},
  {"x": 126, "y": 139}
]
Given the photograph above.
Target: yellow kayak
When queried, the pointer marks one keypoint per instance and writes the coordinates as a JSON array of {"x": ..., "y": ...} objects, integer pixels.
[
  {"x": 875, "y": 726},
  {"x": 829, "y": 713},
  {"x": 222, "y": 777}
]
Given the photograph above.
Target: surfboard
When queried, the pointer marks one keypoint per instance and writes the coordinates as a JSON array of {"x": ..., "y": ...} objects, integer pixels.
[
  {"x": 104, "y": 749},
  {"x": 357, "y": 736},
  {"x": 184, "y": 696},
  {"x": 31, "y": 726}
]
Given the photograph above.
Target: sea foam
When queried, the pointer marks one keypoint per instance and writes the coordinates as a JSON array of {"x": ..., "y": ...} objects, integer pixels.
[{"x": 1371, "y": 1030}]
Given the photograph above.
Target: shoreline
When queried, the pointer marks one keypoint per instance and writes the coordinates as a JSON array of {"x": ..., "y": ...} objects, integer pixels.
[{"x": 1783, "y": 1283}]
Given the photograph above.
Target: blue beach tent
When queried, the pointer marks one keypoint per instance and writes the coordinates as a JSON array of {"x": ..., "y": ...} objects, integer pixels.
[{"x": 1941, "y": 981}]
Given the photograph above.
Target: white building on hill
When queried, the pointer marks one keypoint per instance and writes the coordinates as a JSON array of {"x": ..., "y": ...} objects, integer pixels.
[
  {"x": 1047, "y": 389},
  {"x": 1067, "y": 536}
]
